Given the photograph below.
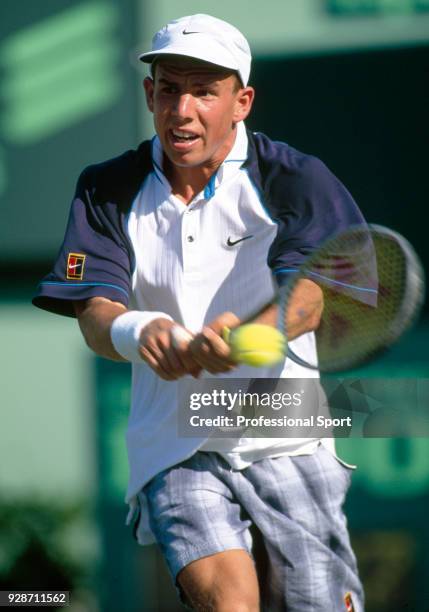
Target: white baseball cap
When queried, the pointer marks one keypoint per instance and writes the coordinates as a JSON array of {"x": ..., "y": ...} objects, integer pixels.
[{"x": 206, "y": 38}]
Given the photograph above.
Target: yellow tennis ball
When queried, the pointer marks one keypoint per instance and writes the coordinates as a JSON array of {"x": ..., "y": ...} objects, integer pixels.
[{"x": 256, "y": 345}]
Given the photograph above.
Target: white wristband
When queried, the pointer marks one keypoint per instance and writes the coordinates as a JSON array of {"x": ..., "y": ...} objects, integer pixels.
[{"x": 126, "y": 329}]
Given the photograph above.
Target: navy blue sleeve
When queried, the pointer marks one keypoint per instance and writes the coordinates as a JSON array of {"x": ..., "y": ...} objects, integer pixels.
[
  {"x": 94, "y": 259},
  {"x": 317, "y": 207},
  {"x": 308, "y": 203}
]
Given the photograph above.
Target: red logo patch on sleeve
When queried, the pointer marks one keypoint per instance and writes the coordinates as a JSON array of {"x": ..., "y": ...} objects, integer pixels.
[
  {"x": 349, "y": 602},
  {"x": 75, "y": 266}
]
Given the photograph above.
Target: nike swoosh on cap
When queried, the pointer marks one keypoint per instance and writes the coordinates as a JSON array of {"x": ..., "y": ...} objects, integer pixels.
[
  {"x": 230, "y": 242},
  {"x": 185, "y": 32}
]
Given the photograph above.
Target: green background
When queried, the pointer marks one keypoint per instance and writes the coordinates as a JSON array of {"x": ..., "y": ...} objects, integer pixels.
[{"x": 346, "y": 81}]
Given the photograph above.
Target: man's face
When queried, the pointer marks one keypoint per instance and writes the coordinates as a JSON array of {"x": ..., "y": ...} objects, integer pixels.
[{"x": 195, "y": 107}]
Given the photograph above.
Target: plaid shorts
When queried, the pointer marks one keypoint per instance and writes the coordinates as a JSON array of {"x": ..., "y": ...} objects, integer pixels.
[{"x": 292, "y": 505}]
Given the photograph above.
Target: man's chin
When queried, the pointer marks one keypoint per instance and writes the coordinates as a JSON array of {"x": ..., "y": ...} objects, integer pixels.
[
  {"x": 181, "y": 164},
  {"x": 186, "y": 160}
]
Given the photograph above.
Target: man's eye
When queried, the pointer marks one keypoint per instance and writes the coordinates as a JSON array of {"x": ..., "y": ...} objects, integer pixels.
[
  {"x": 205, "y": 93},
  {"x": 169, "y": 89}
]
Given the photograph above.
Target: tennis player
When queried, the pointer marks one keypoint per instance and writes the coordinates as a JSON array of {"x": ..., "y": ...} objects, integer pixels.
[{"x": 167, "y": 244}]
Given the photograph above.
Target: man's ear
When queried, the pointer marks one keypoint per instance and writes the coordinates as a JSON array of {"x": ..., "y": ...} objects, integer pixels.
[
  {"x": 148, "y": 85},
  {"x": 243, "y": 103}
]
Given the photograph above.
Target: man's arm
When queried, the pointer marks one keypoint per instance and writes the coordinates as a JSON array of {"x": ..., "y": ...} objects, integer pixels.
[
  {"x": 304, "y": 310},
  {"x": 95, "y": 317},
  {"x": 156, "y": 348},
  {"x": 304, "y": 313},
  {"x": 207, "y": 350}
]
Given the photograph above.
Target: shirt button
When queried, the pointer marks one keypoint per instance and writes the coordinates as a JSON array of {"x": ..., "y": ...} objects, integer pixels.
[{"x": 190, "y": 239}]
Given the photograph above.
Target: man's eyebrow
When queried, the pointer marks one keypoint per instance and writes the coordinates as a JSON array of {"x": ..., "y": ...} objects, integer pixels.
[
  {"x": 167, "y": 81},
  {"x": 202, "y": 82},
  {"x": 208, "y": 82}
]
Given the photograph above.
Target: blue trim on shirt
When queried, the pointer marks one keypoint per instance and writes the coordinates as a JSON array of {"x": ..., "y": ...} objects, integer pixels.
[
  {"x": 66, "y": 284},
  {"x": 158, "y": 178},
  {"x": 157, "y": 167},
  {"x": 209, "y": 189},
  {"x": 334, "y": 282}
]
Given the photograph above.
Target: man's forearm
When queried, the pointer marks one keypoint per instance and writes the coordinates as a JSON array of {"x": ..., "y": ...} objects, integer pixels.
[
  {"x": 304, "y": 310},
  {"x": 139, "y": 336},
  {"x": 95, "y": 318}
]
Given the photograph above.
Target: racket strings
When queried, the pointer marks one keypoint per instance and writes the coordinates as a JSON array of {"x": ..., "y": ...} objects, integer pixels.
[
  {"x": 369, "y": 299},
  {"x": 351, "y": 326}
]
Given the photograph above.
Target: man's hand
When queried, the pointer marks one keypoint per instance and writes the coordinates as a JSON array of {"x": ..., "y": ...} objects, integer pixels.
[
  {"x": 213, "y": 354},
  {"x": 168, "y": 359},
  {"x": 209, "y": 349}
]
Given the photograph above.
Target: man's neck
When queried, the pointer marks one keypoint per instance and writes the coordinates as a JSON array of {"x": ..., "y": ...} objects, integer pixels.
[{"x": 187, "y": 182}]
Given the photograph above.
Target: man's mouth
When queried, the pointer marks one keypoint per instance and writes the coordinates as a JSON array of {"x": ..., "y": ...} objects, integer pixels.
[{"x": 183, "y": 136}]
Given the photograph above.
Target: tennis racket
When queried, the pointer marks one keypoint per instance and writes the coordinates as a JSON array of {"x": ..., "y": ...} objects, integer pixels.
[{"x": 373, "y": 290}]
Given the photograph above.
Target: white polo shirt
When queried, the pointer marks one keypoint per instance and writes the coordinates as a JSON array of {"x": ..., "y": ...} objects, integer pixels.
[{"x": 192, "y": 274}]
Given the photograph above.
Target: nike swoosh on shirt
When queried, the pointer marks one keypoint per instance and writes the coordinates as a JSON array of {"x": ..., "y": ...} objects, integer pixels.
[
  {"x": 71, "y": 266},
  {"x": 230, "y": 242}
]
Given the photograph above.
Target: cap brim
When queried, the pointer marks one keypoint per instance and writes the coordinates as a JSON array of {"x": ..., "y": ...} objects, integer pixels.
[{"x": 209, "y": 59}]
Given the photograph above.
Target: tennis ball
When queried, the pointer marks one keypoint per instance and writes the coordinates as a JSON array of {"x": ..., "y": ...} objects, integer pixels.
[{"x": 255, "y": 344}]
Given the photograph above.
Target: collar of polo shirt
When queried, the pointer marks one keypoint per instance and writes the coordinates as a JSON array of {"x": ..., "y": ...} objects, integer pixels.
[{"x": 233, "y": 162}]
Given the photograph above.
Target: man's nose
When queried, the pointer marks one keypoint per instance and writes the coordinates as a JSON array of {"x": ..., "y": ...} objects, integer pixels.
[{"x": 183, "y": 105}]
